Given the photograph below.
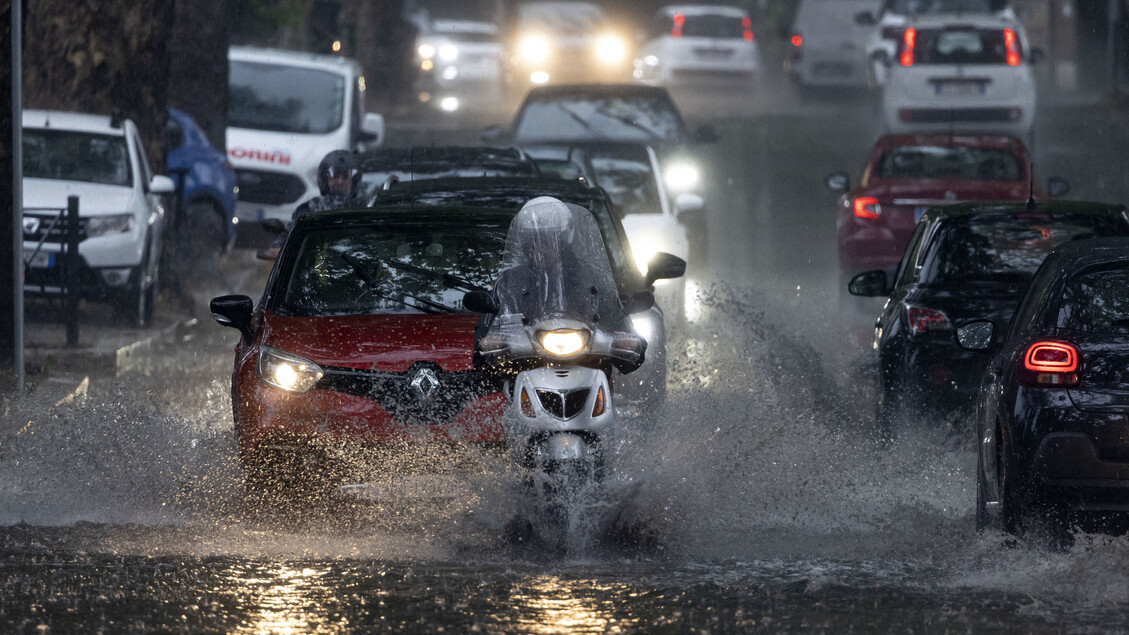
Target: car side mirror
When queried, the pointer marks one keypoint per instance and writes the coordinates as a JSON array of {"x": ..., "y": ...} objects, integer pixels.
[
  {"x": 492, "y": 134},
  {"x": 838, "y": 182},
  {"x": 639, "y": 301},
  {"x": 688, "y": 202},
  {"x": 273, "y": 225},
  {"x": 1057, "y": 187},
  {"x": 871, "y": 284},
  {"x": 866, "y": 18},
  {"x": 372, "y": 129},
  {"x": 479, "y": 301},
  {"x": 161, "y": 184},
  {"x": 664, "y": 266},
  {"x": 1036, "y": 56},
  {"x": 705, "y": 133},
  {"x": 976, "y": 335},
  {"x": 233, "y": 311}
]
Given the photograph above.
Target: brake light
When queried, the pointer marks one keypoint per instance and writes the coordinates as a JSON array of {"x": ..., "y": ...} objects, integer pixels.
[
  {"x": 1012, "y": 49},
  {"x": 797, "y": 40},
  {"x": 747, "y": 25},
  {"x": 679, "y": 20},
  {"x": 922, "y": 320},
  {"x": 1050, "y": 364},
  {"x": 909, "y": 38},
  {"x": 867, "y": 207}
]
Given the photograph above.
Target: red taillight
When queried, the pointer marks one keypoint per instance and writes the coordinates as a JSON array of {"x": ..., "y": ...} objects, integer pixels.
[
  {"x": 679, "y": 20},
  {"x": 797, "y": 40},
  {"x": 1012, "y": 48},
  {"x": 922, "y": 320},
  {"x": 1050, "y": 364},
  {"x": 907, "y": 54},
  {"x": 867, "y": 207},
  {"x": 747, "y": 25}
]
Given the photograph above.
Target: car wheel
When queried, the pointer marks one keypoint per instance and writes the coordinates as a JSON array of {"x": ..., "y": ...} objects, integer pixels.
[
  {"x": 136, "y": 305},
  {"x": 983, "y": 520},
  {"x": 205, "y": 229}
]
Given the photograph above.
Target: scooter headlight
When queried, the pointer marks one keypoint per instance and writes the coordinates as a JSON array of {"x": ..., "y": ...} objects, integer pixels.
[
  {"x": 288, "y": 372},
  {"x": 563, "y": 342}
]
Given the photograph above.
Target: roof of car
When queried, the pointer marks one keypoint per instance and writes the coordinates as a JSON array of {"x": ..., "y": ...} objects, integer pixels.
[
  {"x": 81, "y": 122},
  {"x": 556, "y": 90},
  {"x": 959, "y": 20},
  {"x": 371, "y": 215},
  {"x": 292, "y": 58},
  {"x": 404, "y": 158},
  {"x": 704, "y": 9},
  {"x": 1045, "y": 207},
  {"x": 1076, "y": 254},
  {"x": 962, "y": 140},
  {"x": 535, "y": 186}
]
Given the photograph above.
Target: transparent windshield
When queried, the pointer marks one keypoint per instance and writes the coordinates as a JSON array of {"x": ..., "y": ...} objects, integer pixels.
[
  {"x": 284, "y": 98},
  {"x": 76, "y": 156},
  {"x": 592, "y": 118},
  {"x": 393, "y": 269},
  {"x": 960, "y": 163}
]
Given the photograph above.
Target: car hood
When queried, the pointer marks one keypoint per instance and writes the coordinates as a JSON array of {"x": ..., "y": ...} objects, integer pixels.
[
  {"x": 943, "y": 191},
  {"x": 390, "y": 342},
  {"x": 94, "y": 199}
]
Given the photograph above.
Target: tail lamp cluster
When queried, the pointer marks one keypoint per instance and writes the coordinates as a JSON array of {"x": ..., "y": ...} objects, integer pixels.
[
  {"x": 922, "y": 320},
  {"x": 909, "y": 40},
  {"x": 679, "y": 21},
  {"x": 1048, "y": 364}
]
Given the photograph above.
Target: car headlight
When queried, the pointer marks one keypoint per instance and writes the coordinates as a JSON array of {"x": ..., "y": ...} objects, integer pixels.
[
  {"x": 563, "y": 342},
  {"x": 115, "y": 224},
  {"x": 610, "y": 49},
  {"x": 448, "y": 52},
  {"x": 534, "y": 48},
  {"x": 287, "y": 371},
  {"x": 682, "y": 176},
  {"x": 426, "y": 51}
]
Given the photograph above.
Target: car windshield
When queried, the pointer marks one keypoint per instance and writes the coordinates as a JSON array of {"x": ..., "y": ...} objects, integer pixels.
[
  {"x": 564, "y": 18},
  {"x": 1002, "y": 246},
  {"x": 629, "y": 179},
  {"x": 281, "y": 98},
  {"x": 76, "y": 156},
  {"x": 961, "y": 46},
  {"x": 1097, "y": 301},
  {"x": 712, "y": 25},
  {"x": 392, "y": 268},
  {"x": 959, "y": 163},
  {"x": 600, "y": 118}
]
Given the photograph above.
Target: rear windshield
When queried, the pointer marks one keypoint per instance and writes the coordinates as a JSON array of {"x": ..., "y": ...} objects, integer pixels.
[
  {"x": 1003, "y": 246},
  {"x": 960, "y": 163},
  {"x": 960, "y": 46},
  {"x": 1097, "y": 301},
  {"x": 353, "y": 271},
  {"x": 714, "y": 26},
  {"x": 925, "y": 7},
  {"x": 598, "y": 118},
  {"x": 284, "y": 98},
  {"x": 76, "y": 156}
]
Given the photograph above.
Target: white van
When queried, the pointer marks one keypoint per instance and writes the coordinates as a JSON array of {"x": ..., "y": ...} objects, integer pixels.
[
  {"x": 285, "y": 112},
  {"x": 827, "y": 47}
]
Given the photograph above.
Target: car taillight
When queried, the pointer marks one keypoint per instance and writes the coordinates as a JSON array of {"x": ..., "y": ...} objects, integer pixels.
[
  {"x": 797, "y": 40},
  {"x": 867, "y": 207},
  {"x": 922, "y": 320},
  {"x": 747, "y": 25},
  {"x": 1012, "y": 48},
  {"x": 679, "y": 20},
  {"x": 1047, "y": 364},
  {"x": 907, "y": 53}
]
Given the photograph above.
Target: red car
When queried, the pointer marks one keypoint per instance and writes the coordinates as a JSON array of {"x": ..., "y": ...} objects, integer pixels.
[
  {"x": 358, "y": 359},
  {"x": 908, "y": 174}
]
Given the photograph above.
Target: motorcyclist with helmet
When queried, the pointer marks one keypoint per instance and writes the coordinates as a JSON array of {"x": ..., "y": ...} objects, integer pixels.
[{"x": 339, "y": 179}]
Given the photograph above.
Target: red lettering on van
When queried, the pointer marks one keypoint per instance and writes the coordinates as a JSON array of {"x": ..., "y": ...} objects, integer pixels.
[{"x": 277, "y": 156}]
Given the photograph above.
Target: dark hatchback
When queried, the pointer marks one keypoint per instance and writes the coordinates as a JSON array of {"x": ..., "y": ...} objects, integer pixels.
[
  {"x": 383, "y": 167},
  {"x": 1053, "y": 416},
  {"x": 972, "y": 260}
]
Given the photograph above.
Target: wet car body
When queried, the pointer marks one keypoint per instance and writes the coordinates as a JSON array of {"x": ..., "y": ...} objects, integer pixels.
[
  {"x": 204, "y": 177},
  {"x": 382, "y": 168},
  {"x": 380, "y": 380},
  {"x": 965, "y": 261},
  {"x": 908, "y": 174},
  {"x": 1053, "y": 417}
]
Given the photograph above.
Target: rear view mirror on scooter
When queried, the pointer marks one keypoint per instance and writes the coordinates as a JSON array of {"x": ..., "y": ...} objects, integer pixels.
[{"x": 479, "y": 302}]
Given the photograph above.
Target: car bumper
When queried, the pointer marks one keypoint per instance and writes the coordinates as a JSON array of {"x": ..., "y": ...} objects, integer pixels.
[{"x": 1069, "y": 466}]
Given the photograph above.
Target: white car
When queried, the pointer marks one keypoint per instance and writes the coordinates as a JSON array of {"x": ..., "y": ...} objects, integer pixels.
[
  {"x": 688, "y": 43},
  {"x": 889, "y": 23},
  {"x": 564, "y": 42},
  {"x": 460, "y": 65},
  {"x": 102, "y": 161},
  {"x": 826, "y": 47},
  {"x": 966, "y": 74},
  {"x": 285, "y": 112}
]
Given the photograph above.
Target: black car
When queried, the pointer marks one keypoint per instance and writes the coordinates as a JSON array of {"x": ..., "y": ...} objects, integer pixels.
[
  {"x": 384, "y": 166},
  {"x": 1053, "y": 417},
  {"x": 645, "y": 387},
  {"x": 972, "y": 260}
]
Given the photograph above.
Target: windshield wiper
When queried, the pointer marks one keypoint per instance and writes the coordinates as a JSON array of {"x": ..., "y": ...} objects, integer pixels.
[
  {"x": 580, "y": 120},
  {"x": 450, "y": 280},
  {"x": 624, "y": 119},
  {"x": 425, "y": 305}
]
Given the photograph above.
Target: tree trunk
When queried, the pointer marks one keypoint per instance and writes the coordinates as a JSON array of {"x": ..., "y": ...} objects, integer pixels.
[{"x": 198, "y": 64}]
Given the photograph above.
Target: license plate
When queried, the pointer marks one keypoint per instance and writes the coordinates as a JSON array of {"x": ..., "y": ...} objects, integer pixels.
[
  {"x": 959, "y": 89},
  {"x": 40, "y": 260},
  {"x": 713, "y": 54}
]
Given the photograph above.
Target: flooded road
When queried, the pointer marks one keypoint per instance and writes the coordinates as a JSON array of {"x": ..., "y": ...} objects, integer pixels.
[{"x": 759, "y": 499}]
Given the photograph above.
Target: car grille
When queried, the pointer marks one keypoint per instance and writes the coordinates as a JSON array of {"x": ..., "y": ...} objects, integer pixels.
[
  {"x": 563, "y": 405},
  {"x": 47, "y": 233},
  {"x": 269, "y": 188}
]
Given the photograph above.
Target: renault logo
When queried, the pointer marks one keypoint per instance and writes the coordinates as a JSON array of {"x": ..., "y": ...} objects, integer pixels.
[
  {"x": 424, "y": 384},
  {"x": 31, "y": 224}
]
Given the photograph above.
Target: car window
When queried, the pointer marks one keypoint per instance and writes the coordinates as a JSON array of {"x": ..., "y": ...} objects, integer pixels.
[
  {"x": 143, "y": 168},
  {"x": 1097, "y": 301},
  {"x": 907, "y": 267},
  {"x": 629, "y": 179},
  {"x": 1002, "y": 246},
  {"x": 76, "y": 156},
  {"x": 960, "y": 163},
  {"x": 600, "y": 118},
  {"x": 352, "y": 271},
  {"x": 284, "y": 98},
  {"x": 962, "y": 46},
  {"x": 713, "y": 26},
  {"x": 564, "y": 18},
  {"x": 926, "y": 7}
]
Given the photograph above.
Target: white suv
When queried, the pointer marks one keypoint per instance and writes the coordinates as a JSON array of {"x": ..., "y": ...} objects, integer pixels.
[
  {"x": 102, "y": 161},
  {"x": 689, "y": 43},
  {"x": 961, "y": 74}
]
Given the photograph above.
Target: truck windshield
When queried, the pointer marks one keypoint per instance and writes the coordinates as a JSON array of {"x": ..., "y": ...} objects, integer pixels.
[{"x": 284, "y": 98}]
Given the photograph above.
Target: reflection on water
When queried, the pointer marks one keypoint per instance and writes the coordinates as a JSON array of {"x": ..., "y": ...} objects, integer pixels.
[
  {"x": 552, "y": 605},
  {"x": 285, "y": 600}
]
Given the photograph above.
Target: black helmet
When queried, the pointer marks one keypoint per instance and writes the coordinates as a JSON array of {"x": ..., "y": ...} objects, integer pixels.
[{"x": 338, "y": 160}]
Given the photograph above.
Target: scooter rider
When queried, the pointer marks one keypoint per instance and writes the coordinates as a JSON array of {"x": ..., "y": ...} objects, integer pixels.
[{"x": 339, "y": 179}]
